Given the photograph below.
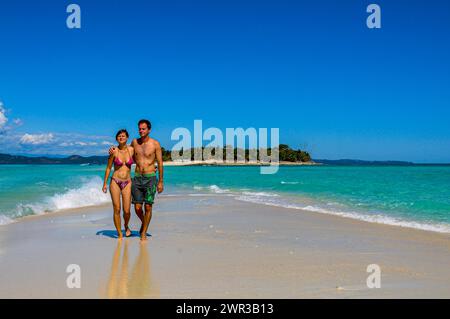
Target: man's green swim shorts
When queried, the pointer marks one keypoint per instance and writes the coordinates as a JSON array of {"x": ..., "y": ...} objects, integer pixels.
[{"x": 143, "y": 188}]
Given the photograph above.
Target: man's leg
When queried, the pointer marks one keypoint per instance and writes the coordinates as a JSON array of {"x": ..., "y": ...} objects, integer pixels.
[
  {"x": 138, "y": 198},
  {"x": 140, "y": 214},
  {"x": 146, "y": 222}
]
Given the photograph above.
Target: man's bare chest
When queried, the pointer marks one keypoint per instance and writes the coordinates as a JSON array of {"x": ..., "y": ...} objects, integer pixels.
[{"x": 144, "y": 150}]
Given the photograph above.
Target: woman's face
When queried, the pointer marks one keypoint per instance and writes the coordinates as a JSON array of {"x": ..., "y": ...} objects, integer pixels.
[{"x": 122, "y": 138}]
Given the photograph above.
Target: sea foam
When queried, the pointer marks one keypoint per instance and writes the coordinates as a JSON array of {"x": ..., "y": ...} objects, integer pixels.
[
  {"x": 89, "y": 193},
  {"x": 278, "y": 200},
  {"x": 4, "y": 220},
  {"x": 372, "y": 218},
  {"x": 216, "y": 189}
]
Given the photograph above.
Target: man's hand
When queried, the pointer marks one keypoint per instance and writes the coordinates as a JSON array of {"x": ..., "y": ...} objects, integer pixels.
[
  {"x": 111, "y": 150},
  {"x": 160, "y": 187}
]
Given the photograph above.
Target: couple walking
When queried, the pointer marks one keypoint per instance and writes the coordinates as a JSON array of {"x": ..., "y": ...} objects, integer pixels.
[{"x": 144, "y": 152}]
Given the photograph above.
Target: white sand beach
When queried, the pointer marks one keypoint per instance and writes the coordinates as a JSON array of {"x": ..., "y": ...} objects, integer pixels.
[{"x": 218, "y": 247}]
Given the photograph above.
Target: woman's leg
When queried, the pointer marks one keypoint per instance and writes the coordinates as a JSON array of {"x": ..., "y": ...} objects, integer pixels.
[
  {"x": 114, "y": 189},
  {"x": 126, "y": 203}
]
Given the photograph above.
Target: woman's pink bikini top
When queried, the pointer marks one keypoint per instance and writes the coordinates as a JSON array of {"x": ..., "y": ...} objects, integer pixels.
[{"x": 118, "y": 162}]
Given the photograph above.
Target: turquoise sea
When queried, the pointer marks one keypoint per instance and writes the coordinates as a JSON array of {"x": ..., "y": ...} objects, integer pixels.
[{"x": 409, "y": 196}]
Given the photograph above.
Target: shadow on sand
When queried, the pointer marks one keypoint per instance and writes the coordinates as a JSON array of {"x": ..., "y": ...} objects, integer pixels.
[{"x": 113, "y": 233}]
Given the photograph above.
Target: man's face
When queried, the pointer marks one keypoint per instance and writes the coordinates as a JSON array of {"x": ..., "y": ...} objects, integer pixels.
[{"x": 143, "y": 130}]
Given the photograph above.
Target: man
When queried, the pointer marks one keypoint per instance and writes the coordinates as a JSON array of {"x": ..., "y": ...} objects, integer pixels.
[{"x": 144, "y": 185}]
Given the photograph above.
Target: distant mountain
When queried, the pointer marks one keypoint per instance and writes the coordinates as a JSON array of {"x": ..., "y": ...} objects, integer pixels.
[
  {"x": 361, "y": 162},
  {"x": 40, "y": 155},
  {"x": 74, "y": 159}
]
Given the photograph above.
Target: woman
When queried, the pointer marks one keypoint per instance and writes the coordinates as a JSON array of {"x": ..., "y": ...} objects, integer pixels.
[{"x": 120, "y": 184}]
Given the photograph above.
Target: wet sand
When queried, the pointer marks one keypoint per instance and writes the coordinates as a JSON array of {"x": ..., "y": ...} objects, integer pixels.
[{"x": 217, "y": 247}]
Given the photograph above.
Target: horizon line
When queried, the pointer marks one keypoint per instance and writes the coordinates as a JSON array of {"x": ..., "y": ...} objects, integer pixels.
[{"x": 62, "y": 156}]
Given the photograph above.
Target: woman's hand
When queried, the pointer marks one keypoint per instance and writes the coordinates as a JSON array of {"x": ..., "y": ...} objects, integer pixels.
[{"x": 104, "y": 189}]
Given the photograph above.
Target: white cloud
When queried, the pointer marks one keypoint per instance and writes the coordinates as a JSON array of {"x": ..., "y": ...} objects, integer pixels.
[
  {"x": 78, "y": 143},
  {"x": 5, "y": 124},
  {"x": 36, "y": 139},
  {"x": 3, "y": 118},
  {"x": 54, "y": 143},
  {"x": 65, "y": 144}
]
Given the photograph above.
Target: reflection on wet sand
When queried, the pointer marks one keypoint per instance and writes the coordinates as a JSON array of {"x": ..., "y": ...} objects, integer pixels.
[{"x": 140, "y": 283}]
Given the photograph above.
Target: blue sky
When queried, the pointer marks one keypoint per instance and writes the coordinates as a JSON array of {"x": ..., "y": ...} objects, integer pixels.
[{"x": 311, "y": 68}]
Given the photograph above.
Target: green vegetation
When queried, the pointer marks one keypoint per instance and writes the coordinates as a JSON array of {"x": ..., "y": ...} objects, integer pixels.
[
  {"x": 285, "y": 154},
  {"x": 289, "y": 155}
]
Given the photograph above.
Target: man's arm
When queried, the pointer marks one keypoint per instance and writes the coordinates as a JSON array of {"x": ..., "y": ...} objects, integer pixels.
[
  {"x": 112, "y": 148},
  {"x": 159, "y": 160},
  {"x": 133, "y": 144}
]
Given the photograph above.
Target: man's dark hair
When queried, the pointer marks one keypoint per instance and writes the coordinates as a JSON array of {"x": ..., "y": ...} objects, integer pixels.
[
  {"x": 122, "y": 131},
  {"x": 149, "y": 125}
]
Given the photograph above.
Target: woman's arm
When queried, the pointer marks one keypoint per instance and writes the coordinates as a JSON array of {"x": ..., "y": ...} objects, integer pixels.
[{"x": 107, "y": 172}]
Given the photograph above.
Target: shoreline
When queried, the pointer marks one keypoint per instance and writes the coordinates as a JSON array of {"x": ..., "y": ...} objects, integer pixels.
[
  {"x": 356, "y": 216},
  {"x": 247, "y": 250},
  {"x": 190, "y": 163},
  {"x": 101, "y": 207},
  {"x": 224, "y": 163}
]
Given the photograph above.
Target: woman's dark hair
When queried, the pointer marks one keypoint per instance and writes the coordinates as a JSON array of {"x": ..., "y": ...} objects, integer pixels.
[{"x": 122, "y": 131}]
